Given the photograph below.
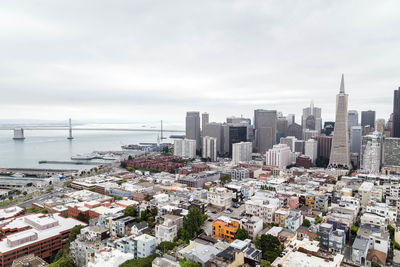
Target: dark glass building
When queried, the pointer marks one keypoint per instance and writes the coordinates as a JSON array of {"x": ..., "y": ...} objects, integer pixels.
[
  {"x": 368, "y": 118},
  {"x": 396, "y": 114}
]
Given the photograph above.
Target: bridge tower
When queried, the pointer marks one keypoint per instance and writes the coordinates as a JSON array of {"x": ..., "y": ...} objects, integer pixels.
[{"x": 70, "y": 130}]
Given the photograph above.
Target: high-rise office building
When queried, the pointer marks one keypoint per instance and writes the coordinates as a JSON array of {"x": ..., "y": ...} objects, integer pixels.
[
  {"x": 193, "y": 127},
  {"x": 241, "y": 152},
  {"x": 291, "y": 118},
  {"x": 355, "y": 139},
  {"x": 371, "y": 151},
  {"x": 353, "y": 118},
  {"x": 209, "y": 148},
  {"x": 278, "y": 156},
  {"x": 281, "y": 128},
  {"x": 214, "y": 129},
  {"x": 311, "y": 149},
  {"x": 299, "y": 146},
  {"x": 295, "y": 130},
  {"x": 396, "y": 114},
  {"x": 324, "y": 145},
  {"x": 205, "y": 118},
  {"x": 311, "y": 118},
  {"x": 233, "y": 133},
  {"x": 265, "y": 122},
  {"x": 368, "y": 118},
  {"x": 340, "y": 152}
]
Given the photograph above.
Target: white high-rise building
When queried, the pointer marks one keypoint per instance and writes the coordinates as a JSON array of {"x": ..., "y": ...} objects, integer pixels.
[
  {"x": 278, "y": 156},
  {"x": 241, "y": 152},
  {"x": 185, "y": 148},
  {"x": 311, "y": 149},
  {"x": 209, "y": 150}
]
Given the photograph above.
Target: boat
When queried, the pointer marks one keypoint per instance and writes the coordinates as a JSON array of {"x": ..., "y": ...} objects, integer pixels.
[
  {"x": 18, "y": 175},
  {"x": 83, "y": 157}
]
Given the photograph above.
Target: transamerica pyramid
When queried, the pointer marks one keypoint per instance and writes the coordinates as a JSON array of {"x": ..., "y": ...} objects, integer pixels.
[{"x": 340, "y": 151}]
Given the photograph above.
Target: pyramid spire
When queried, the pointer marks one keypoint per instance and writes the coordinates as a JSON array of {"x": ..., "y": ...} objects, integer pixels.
[{"x": 342, "y": 85}]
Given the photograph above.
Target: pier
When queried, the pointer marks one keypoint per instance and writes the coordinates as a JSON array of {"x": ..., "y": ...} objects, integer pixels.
[
  {"x": 36, "y": 172},
  {"x": 75, "y": 162}
]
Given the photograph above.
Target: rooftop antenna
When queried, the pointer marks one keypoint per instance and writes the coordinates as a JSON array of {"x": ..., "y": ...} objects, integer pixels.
[{"x": 70, "y": 130}]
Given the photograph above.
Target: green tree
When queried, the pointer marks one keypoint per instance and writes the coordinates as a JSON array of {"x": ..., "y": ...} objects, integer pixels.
[
  {"x": 354, "y": 230},
  {"x": 166, "y": 246},
  {"x": 141, "y": 262},
  {"x": 270, "y": 247},
  {"x": 185, "y": 263},
  {"x": 130, "y": 211},
  {"x": 306, "y": 223},
  {"x": 391, "y": 231},
  {"x": 192, "y": 223},
  {"x": 25, "y": 193},
  {"x": 317, "y": 220},
  {"x": 224, "y": 179},
  {"x": 374, "y": 264},
  {"x": 264, "y": 263},
  {"x": 82, "y": 217},
  {"x": 65, "y": 261},
  {"x": 242, "y": 234},
  {"x": 74, "y": 233}
]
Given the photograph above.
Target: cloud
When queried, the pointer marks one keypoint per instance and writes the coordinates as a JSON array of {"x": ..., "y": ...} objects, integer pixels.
[{"x": 156, "y": 59}]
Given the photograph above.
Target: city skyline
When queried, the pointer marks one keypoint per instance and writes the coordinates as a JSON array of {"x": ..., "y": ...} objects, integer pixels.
[{"x": 133, "y": 62}]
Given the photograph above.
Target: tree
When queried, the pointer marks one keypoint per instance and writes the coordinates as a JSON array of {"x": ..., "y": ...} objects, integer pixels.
[
  {"x": 82, "y": 217},
  {"x": 166, "y": 246},
  {"x": 130, "y": 157},
  {"x": 130, "y": 211},
  {"x": 224, "y": 179},
  {"x": 317, "y": 220},
  {"x": 306, "y": 223},
  {"x": 140, "y": 262},
  {"x": 185, "y": 263},
  {"x": 74, "y": 233},
  {"x": 264, "y": 263},
  {"x": 25, "y": 193},
  {"x": 242, "y": 234},
  {"x": 192, "y": 223},
  {"x": 391, "y": 231},
  {"x": 270, "y": 247},
  {"x": 65, "y": 261},
  {"x": 374, "y": 264}
]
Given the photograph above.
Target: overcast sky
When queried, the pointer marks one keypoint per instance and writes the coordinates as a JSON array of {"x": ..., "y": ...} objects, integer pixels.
[{"x": 151, "y": 60}]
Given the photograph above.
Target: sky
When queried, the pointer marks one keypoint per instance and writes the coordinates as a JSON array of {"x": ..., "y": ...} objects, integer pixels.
[{"x": 151, "y": 60}]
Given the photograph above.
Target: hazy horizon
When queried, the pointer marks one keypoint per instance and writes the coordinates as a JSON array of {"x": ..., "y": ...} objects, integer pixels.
[{"x": 139, "y": 61}]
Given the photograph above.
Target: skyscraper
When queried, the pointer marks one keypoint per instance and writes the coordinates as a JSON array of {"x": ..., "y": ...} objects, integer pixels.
[
  {"x": 265, "y": 122},
  {"x": 291, "y": 118},
  {"x": 193, "y": 127},
  {"x": 205, "y": 118},
  {"x": 311, "y": 118},
  {"x": 396, "y": 114},
  {"x": 214, "y": 129},
  {"x": 355, "y": 139},
  {"x": 340, "y": 152},
  {"x": 368, "y": 118},
  {"x": 209, "y": 148},
  {"x": 233, "y": 133},
  {"x": 353, "y": 118}
]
